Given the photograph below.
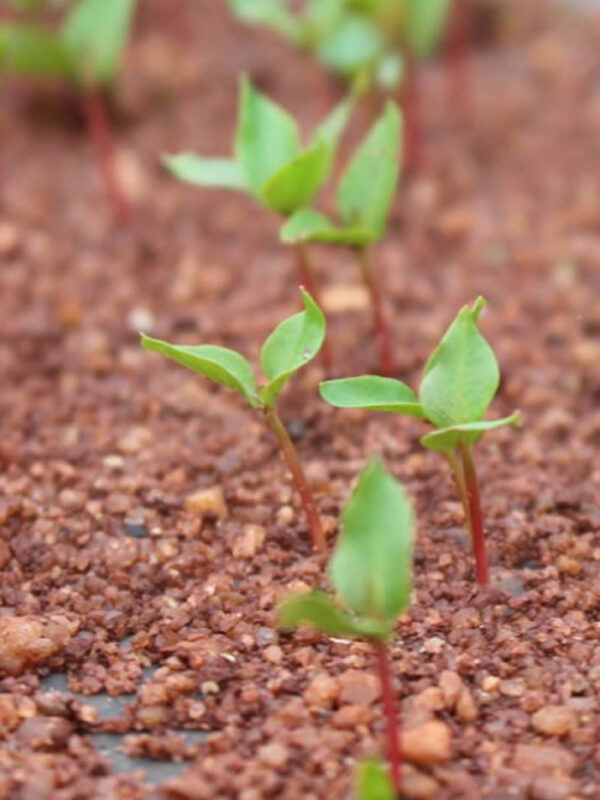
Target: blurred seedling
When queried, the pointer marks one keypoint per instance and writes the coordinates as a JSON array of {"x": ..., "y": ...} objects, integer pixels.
[
  {"x": 374, "y": 782},
  {"x": 364, "y": 196},
  {"x": 86, "y": 51},
  {"x": 343, "y": 36},
  {"x": 371, "y": 573},
  {"x": 459, "y": 382},
  {"x": 269, "y": 162},
  {"x": 292, "y": 344}
]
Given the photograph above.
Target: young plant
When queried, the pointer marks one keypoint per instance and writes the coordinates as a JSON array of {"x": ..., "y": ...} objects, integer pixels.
[
  {"x": 371, "y": 573},
  {"x": 292, "y": 344},
  {"x": 459, "y": 382},
  {"x": 86, "y": 51},
  {"x": 364, "y": 196},
  {"x": 269, "y": 162},
  {"x": 341, "y": 35}
]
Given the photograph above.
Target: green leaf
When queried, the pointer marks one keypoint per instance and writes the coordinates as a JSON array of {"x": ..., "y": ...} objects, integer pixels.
[
  {"x": 317, "y": 609},
  {"x": 372, "y": 564},
  {"x": 219, "y": 364},
  {"x": 96, "y": 33},
  {"x": 462, "y": 375},
  {"x": 220, "y": 173},
  {"x": 374, "y": 782},
  {"x": 308, "y": 225},
  {"x": 32, "y": 51},
  {"x": 372, "y": 392},
  {"x": 426, "y": 22},
  {"x": 270, "y": 13},
  {"x": 292, "y": 344},
  {"x": 267, "y": 137},
  {"x": 355, "y": 43},
  {"x": 295, "y": 184},
  {"x": 368, "y": 185},
  {"x": 321, "y": 18},
  {"x": 332, "y": 127},
  {"x": 468, "y": 433}
]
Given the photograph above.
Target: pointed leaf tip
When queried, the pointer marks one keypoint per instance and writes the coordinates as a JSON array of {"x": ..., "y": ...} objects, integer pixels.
[
  {"x": 461, "y": 376},
  {"x": 292, "y": 344}
]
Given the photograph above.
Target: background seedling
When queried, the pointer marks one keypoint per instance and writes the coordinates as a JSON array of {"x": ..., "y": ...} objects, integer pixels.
[
  {"x": 289, "y": 347},
  {"x": 343, "y": 35},
  {"x": 269, "y": 162},
  {"x": 371, "y": 572},
  {"x": 460, "y": 381},
  {"x": 86, "y": 51},
  {"x": 364, "y": 196}
]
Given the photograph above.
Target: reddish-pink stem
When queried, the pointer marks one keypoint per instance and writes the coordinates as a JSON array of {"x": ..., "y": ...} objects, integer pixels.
[
  {"x": 306, "y": 496},
  {"x": 457, "y": 58},
  {"x": 475, "y": 516},
  {"x": 309, "y": 281},
  {"x": 380, "y": 321},
  {"x": 413, "y": 115},
  {"x": 101, "y": 134},
  {"x": 390, "y": 710}
]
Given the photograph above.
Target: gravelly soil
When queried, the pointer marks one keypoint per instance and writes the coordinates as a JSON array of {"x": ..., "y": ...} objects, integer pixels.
[{"x": 102, "y": 444}]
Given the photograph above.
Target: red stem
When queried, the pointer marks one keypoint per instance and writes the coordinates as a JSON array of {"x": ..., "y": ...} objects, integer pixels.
[
  {"x": 306, "y": 496},
  {"x": 390, "y": 710},
  {"x": 309, "y": 281},
  {"x": 101, "y": 134},
  {"x": 413, "y": 115},
  {"x": 457, "y": 58},
  {"x": 475, "y": 516},
  {"x": 380, "y": 322}
]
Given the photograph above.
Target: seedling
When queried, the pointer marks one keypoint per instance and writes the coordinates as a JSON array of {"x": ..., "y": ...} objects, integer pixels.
[
  {"x": 269, "y": 162},
  {"x": 371, "y": 572},
  {"x": 292, "y": 344},
  {"x": 86, "y": 51},
  {"x": 343, "y": 36},
  {"x": 364, "y": 197},
  {"x": 459, "y": 382}
]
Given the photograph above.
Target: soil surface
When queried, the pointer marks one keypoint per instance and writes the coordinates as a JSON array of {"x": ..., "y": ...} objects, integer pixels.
[{"x": 147, "y": 526}]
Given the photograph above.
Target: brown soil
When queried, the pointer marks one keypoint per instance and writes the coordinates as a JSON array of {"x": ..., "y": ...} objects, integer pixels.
[{"x": 102, "y": 443}]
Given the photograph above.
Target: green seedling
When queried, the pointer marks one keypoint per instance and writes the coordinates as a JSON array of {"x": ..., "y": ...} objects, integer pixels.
[
  {"x": 269, "y": 162},
  {"x": 371, "y": 573},
  {"x": 294, "y": 343},
  {"x": 364, "y": 197},
  {"x": 459, "y": 382},
  {"x": 342, "y": 37},
  {"x": 86, "y": 52}
]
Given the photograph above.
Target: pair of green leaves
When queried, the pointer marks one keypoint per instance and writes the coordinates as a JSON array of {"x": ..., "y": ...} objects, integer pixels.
[
  {"x": 269, "y": 161},
  {"x": 289, "y": 347},
  {"x": 460, "y": 381},
  {"x": 364, "y": 194},
  {"x": 371, "y": 568},
  {"x": 87, "y": 50}
]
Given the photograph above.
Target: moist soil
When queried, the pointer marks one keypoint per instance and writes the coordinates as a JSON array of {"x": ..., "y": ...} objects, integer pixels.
[{"x": 147, "y": 525}]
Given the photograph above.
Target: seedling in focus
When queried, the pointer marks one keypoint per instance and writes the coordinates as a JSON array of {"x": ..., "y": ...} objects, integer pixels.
[
  {"x": 364, "y": 197},
  {"x": 460, "y": 381},
  {"x": 371, "y": 572},
  {"x": 292, "y": 344},
  {"x": 86, "y": 51}
]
